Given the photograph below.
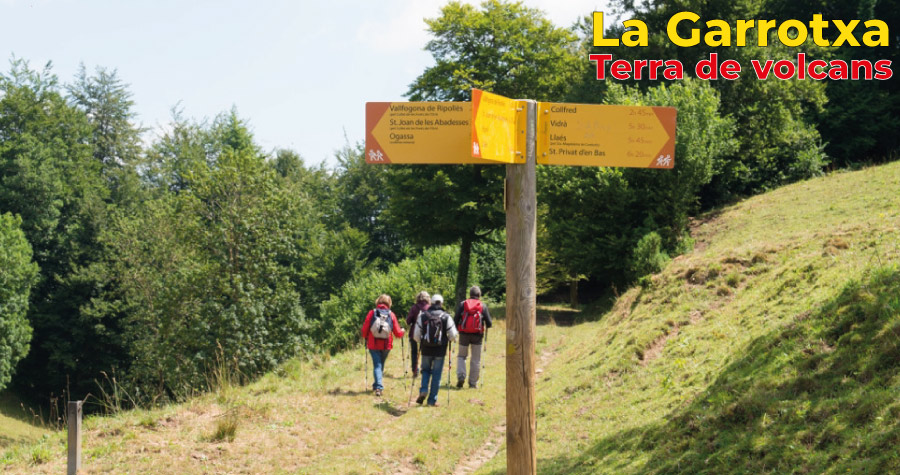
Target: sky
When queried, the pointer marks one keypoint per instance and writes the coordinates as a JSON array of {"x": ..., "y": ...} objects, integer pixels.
[{"x": 299, "y": 72}]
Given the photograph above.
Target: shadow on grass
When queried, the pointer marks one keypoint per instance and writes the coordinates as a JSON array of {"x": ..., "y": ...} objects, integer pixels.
[
  {"x": 348, "y": 392},
  {"x": 391, "y": 409},
  {"x": 816, "y": 395}
]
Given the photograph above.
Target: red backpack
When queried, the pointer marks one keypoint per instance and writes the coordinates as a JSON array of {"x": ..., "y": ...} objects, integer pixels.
[{"x": 471, "y": 317}]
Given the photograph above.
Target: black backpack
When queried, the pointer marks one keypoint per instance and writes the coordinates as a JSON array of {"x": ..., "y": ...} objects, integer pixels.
[
  {"x": 433, "y": 328},
  {"x": 381, "y": 323}
]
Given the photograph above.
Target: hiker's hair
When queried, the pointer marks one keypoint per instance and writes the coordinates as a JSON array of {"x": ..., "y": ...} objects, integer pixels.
[
  {"x": 474, "y": 292},
  {"x": 383, "y": 299},
  {"x": 423, "y": 297}
]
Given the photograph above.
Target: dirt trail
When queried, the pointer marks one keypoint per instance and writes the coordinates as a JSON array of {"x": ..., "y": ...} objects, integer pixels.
[{"x": 490, "y": 448}]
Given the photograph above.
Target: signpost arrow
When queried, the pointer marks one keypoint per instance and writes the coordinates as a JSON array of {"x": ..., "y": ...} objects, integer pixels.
[
  {"x": 606, "y": 135},
  {"x": 419, "y": 132},
  {"x": 498, "y": 127}
]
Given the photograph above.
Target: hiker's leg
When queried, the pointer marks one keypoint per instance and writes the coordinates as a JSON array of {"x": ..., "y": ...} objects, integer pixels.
[
  {"x": 436, "y": 379},
  {"x": 414, "y": 355},
  {"x": 377, "y": 369},
  {"x": 475, "y": 368},
  {"x": 461, "y": 360},
  {"x": 427, "y": 365}
]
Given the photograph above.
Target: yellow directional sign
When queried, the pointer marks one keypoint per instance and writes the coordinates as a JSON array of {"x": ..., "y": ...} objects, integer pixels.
[
  {"x": 419, "y": 132},
  {"x": 606, "y": 135},
  {"x": 498, "y": 127}
]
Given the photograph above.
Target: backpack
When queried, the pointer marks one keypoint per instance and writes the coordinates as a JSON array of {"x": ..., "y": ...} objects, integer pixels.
[
  {"x": 381, "y": 323},
  {"x": 471, "y": 317},
  {"x": 432, "y": 328}
]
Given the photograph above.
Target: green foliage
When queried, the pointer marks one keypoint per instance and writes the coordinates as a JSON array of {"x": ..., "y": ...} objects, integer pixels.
[
  {"x": 223, "y": 267},
  {"x": 859, "y": 120},
  {"x": 490, "y": 259},
  {"x": 469, "y": 207},
  {"x": 17, "y": 275},
  {"x": 106, "y": 102},
  {"x": 362, "y": 195},
  {"x": 343, "y": 314},
  {"x": 648, "y": 256},
  {"x": 49, "y": 177},
  {"x": 506, "y": 48}
]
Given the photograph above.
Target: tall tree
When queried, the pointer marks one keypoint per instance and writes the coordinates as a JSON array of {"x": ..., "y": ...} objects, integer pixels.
[
  {"x": 505, "y": 48},
  {"x": 107, "y": 103},
  {"x": 49, "y": 177}
]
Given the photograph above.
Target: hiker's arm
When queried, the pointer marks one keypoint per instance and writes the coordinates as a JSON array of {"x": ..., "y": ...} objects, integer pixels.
[
  {"x": 486, "y": 315},
  {"x": 411, "y": 316},
  {"x": 452, "y": 333},
  {"x": 398, "y": 330},
  {"x": 366, "y": 324}
]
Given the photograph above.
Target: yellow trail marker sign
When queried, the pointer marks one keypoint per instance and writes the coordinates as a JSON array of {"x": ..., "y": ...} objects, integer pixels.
[
  {"x": 419, "y": 132},
  {"x": 606, "y": 135},
  {"x": 498, "y": 127}
]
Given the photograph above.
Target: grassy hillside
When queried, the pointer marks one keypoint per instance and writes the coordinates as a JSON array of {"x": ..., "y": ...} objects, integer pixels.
[
  {"x": 774, "y": 347},
  {"x": 17, "y": 424}
]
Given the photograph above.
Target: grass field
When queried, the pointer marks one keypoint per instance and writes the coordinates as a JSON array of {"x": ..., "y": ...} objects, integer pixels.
[{"x": 774, "y": 347}]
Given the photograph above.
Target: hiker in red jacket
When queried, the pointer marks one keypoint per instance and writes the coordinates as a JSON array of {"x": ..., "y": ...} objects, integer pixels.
[
  {"x": 423, "y": 301},
  {"x": 379, "y": 330}
]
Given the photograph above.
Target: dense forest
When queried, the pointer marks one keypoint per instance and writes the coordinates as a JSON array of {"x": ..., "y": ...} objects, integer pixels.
[{"x": 143, "y": 259}]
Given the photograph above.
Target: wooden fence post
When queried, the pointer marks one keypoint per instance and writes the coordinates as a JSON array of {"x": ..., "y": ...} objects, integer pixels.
[{"x": 73, "y": 416}]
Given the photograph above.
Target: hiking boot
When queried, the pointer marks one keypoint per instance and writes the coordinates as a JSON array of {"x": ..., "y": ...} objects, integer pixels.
[
  {"x": 378, "y": 393},
  {"x": 460, "y": 383},
  {"x": 473, "y": 386},
  {"x": 421, "y": 398},
  {"x": 434, "y": 405}
]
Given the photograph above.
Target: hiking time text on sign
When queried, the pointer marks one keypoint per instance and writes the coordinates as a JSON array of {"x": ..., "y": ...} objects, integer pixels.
[
  {"x": 419, "y": 132},
  {"x": 606, "y": 135},
  {"x": 498, "y": 127}
]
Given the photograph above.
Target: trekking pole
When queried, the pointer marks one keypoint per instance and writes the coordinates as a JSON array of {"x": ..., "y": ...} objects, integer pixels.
[
  {"x": 484, "y": 348},
  {"x": 403, "y": 355},
  {"x": 412, "y": 382},
  {"x": 366, "y": 365},
  {"x": 449, "y": 370}
]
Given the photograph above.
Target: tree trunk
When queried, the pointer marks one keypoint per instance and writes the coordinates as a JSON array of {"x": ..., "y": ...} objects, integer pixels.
[
  {"x": 573, "y": 293},
  {"x": 462, "y": 272}
]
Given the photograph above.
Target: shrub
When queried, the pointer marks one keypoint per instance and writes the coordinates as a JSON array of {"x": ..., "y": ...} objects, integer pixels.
[
  {"x": 343, "y": 314},
  {"x": 647, "y": 257}
]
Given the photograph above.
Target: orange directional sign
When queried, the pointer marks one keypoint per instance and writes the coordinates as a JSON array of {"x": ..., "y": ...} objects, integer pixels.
[
  {"x": 419, "y": 132},
  {"x": 606, "y": 135},
  {"x": 498, "y": 127}
]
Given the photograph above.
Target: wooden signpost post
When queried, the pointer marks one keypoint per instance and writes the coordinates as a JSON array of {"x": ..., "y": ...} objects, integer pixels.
[{"x": 493, "y": 129}]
